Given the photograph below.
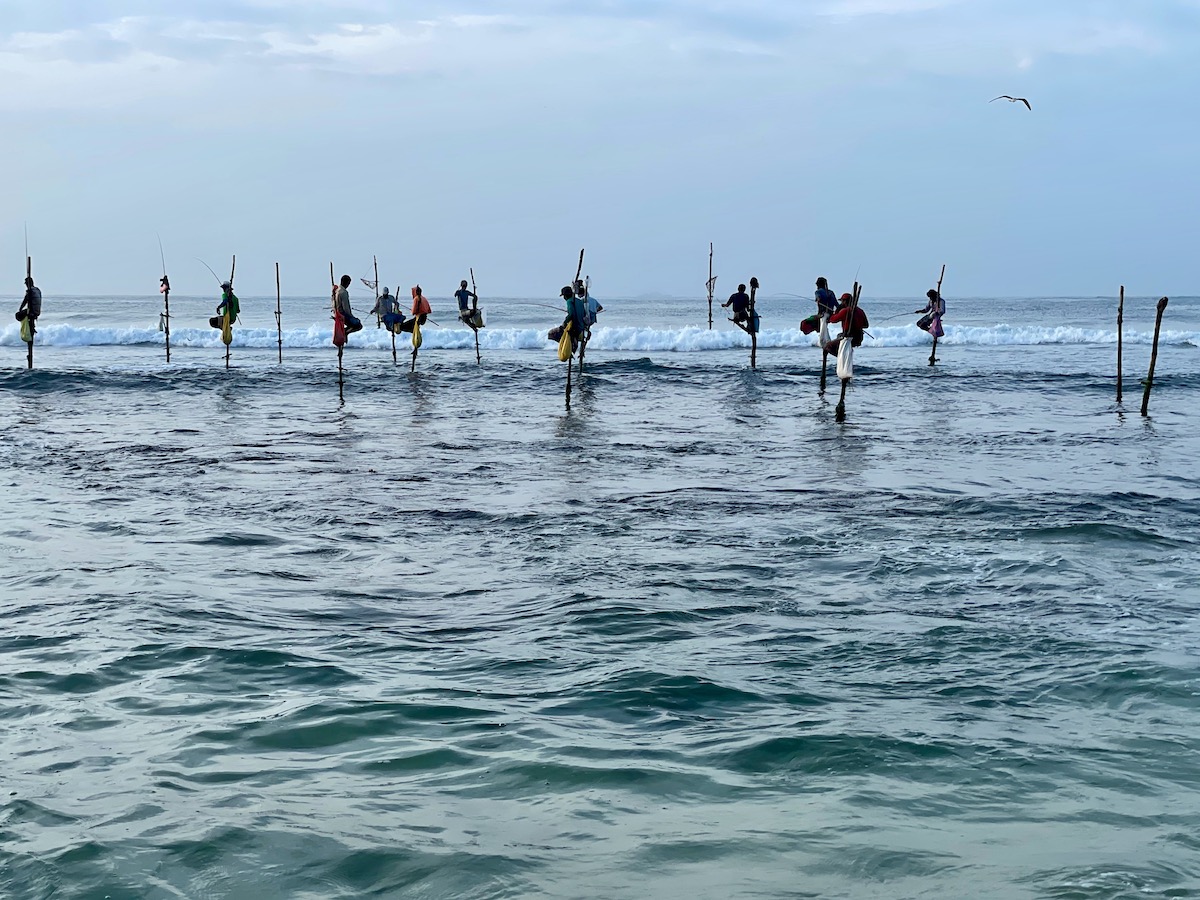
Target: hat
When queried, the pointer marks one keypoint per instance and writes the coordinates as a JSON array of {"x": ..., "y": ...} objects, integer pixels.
[
  {"x": 226, "y": 285},
  {"x": 846, "y": 297}
]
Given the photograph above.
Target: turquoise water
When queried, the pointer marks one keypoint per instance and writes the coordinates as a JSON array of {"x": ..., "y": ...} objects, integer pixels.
[{"x": 692, "y": 638}]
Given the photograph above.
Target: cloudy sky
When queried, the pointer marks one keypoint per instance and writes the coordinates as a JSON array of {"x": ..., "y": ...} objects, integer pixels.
[{"x": 801, "y": 137}]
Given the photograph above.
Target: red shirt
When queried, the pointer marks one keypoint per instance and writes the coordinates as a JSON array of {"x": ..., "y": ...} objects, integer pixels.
[{"x": 856, "y": 327}]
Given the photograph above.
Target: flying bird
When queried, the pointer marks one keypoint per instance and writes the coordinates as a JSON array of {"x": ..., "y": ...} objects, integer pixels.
[{"x": 1012, "y": 100}]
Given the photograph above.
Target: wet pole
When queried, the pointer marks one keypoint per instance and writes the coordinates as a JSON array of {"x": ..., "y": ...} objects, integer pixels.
[
  {"x": 569, "y": 360},
  {"x": 840, "y": 412},
  {"x": 1120, "y": 329},
  {"x": 228, "y": 315},
  {"x": 394, "y": 362},
  {"x": 416, "y": 342},
  {"x": 278, "y": 314},
  {"x": 1162, "y": 305},
  {"x": 710, "y": 284},
  {"x": 165, "y": 288},
  {"x": 933, "y": 352},
  {"x": 29, "y": 274},
  {"x": 474, "y": 310},
  {"x": 753, "y": 329},
  {"x": 587, "y": 332},
  {"x": 336, "y": 315}
]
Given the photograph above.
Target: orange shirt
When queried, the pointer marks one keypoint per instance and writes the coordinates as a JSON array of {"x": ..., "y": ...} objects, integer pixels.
[{"x": 420, "y": 305}]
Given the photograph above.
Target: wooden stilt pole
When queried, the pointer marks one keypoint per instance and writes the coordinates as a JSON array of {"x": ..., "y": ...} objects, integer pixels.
[
  {"x": 824, "y": 367},
  {"x": 232, "y": 269},
  {"x": 475, "y": 309},
  {"x": 278, "y": 313},
  {"x": 340, "y": 347},
  {"x": 933, "y": 352},
  {"x": 753, "y": 326},
  {"x": 1120, "y": 329},
  {"x": 165, "y": 288},
  {"x": 710, "y": 284},
  {"x": 394, "y": 361},
  {"x": 29, "y": 343},
  {"x": 568, "y": 384},
  {"x": 1162, "y": 305},
  {"x": 840, "y": 411},
  {"x": 587, "y": 332},
  {"x": 167, "y": 315},
  {"x": 839, "y": 414}
]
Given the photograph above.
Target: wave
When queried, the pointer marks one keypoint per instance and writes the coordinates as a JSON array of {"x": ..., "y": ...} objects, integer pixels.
[{"x": 683, "y": 340}]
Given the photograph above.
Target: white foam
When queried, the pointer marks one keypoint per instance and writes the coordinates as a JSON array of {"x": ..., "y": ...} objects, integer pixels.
[{"x": 689, "y": 339}]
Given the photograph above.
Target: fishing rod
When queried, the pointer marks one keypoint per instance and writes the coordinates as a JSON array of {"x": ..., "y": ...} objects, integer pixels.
[{"x": 210, "y": 268}]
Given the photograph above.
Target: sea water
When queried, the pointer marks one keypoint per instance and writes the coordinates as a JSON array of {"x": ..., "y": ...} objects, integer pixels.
[{"x": 692, "y": 637}]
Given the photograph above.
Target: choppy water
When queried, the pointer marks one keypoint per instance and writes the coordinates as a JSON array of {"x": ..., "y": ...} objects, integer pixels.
[{"x": 692, "y": 638}]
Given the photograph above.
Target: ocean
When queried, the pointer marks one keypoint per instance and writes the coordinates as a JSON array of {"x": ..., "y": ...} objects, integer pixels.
[{"x": 692, "y": 638}]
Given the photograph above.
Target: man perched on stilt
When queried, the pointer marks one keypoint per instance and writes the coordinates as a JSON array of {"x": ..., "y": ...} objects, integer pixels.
[
  {"x": 852, "y": 328},
  {"x": 932, "y": 312},
  {"x": 228, "y": 310},
  {"x": 29, "y": 310},
  {"x": 468, "y": 305},
  {"x": 740, "y": 301},
  {"x": 341, "y": 304}
]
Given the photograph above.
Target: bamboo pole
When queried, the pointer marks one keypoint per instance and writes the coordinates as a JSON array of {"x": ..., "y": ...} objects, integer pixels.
[
  {"x": 394, "y": 362},
  {"x": 824, "y": 367},
  {"x": 341, "y": 375},
  {"x": 587, "y": 331},
  {"x": 165, "y": 287},
  {"x": 1162, "y": 305},
  {"x": 840, "y": 411},
  {"x": 568, "y": 384},
  {"x": 710, "y": 284},
  {"x": 232, "y": 269},
  {"x": 1120, "y": 329},
  {"x": 29, "y": 274},
  {"x": 933, "y": 352},
  {"x": 278, "y": 314},
  {"x": 474, "y": 309},
  {"x": 753, "y": 326}
]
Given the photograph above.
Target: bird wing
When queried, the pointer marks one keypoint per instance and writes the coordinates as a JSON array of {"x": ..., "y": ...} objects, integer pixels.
[
  {"x": 1026, "y": 102},
  {"x": 1001, "y": 97}
]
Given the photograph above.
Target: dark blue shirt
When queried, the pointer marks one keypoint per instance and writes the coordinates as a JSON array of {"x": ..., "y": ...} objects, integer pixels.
[{"x": 740, "y": 302}]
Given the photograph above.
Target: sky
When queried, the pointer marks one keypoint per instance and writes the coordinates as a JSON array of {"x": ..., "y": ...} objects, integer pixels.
[{"x": 799, "y": 137}]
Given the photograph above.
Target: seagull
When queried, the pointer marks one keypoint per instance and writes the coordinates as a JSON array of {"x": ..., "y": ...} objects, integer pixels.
[{"x": 1012, "y": 100}]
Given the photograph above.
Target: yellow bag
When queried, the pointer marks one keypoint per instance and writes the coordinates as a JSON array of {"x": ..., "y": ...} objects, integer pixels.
[
  {"x": 226, "y": 329},
  {"x": 27, "y": 330},
  {"x": 566, "y": 344},
  {"x": 417, "y": 340}
]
